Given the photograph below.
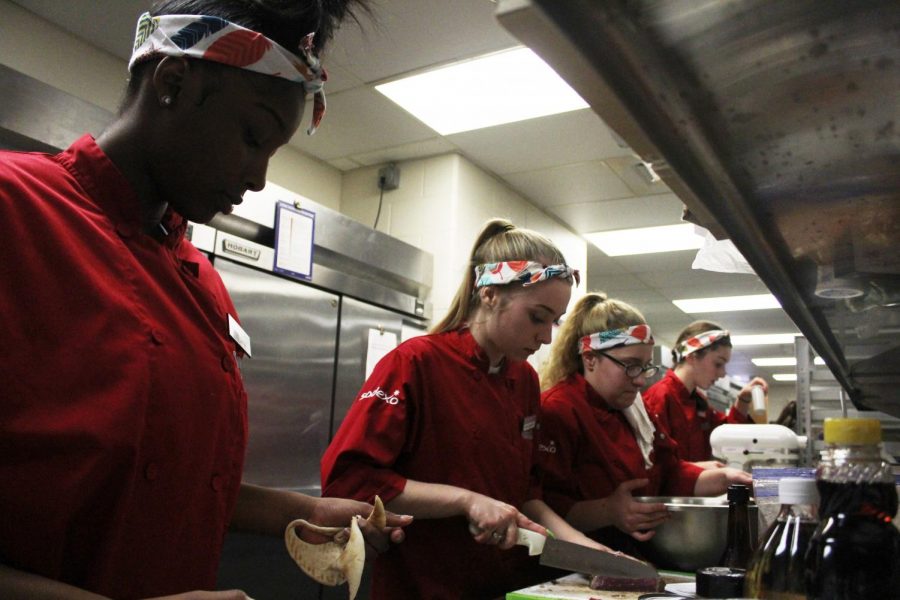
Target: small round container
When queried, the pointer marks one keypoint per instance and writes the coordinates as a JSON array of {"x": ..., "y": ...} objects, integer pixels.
[{"x": 720, "y": 582}]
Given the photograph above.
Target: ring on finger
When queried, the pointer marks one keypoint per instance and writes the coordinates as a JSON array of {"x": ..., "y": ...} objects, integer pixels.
[{"x": 497, "y": 535}]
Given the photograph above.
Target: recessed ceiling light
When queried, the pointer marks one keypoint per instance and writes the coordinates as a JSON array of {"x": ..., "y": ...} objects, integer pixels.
[
  {"x": 781, "y": 361},
  {"x": 785, "y": 377},
  {"x": 763, "y": 339},
  {"x": 727, "y": 303},
  {"x": 647, "y": 240},
  {"x": 498, "y": 88}
]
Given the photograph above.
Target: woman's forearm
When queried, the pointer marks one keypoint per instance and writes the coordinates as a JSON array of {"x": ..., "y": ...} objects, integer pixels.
[
  {"x": 430, "y": 500},
  {"x": 538, "y": 511},
  {"x": 267, "y": 510},
  {"x": 20, "y": 584}
]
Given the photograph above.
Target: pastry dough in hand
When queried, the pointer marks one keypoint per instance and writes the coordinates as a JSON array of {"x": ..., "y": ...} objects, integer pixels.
[{"x": 332, "y": 563}]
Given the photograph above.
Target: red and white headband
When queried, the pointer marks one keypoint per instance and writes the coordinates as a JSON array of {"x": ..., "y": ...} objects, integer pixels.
[
  {"x": 521, "y": 271},
  {"x": 700, "y": 341},
  {"x": 218, "y": 40},
  {"x": 611, "y": 338}
]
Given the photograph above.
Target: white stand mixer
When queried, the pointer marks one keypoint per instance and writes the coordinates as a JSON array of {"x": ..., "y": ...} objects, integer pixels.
[{"x": 745, "y": 446}]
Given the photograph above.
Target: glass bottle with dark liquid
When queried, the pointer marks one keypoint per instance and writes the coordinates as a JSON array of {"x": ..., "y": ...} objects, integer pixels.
[
  {"x": 739, "y": 545},
  {"x": 777, "y": 569},
  {"x": 854, "y": 553}
]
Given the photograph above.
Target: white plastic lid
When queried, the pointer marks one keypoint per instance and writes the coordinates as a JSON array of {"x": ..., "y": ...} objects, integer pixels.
[{"x": 797, "y": 490}]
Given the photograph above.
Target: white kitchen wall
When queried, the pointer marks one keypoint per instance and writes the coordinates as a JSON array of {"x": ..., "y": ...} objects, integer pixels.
[{"x": 441, "y": 206}]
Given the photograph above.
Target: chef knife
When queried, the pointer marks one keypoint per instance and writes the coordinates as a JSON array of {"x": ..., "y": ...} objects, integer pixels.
[{"x": 582, "y": 559}]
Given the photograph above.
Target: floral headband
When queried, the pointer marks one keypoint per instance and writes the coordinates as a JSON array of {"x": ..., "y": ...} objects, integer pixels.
[
  {"x": 636, "y": 334},
  {"x": 218, "y": 40},
  {"x": 522, "y": 271},
  {"x": 700, "y": 341}
]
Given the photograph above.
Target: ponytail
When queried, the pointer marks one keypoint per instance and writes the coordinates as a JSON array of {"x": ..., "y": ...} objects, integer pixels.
[
  {"x": 498, "y": 241},
  {"x": 593, "y": 312}
]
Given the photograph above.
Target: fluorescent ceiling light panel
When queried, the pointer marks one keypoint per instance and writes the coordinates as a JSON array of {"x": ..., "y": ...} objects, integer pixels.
[
  {"x": 647, "y": 240},
  {"x": 490, "y": 90},
  {"x": 785, "y": 377},
  {"x": 727, "y": 303},
  {"x": 782, "y": 361},
  {"x": 763, "y": 339}
]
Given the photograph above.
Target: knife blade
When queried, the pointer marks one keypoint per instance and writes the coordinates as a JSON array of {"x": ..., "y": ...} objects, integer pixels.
[{"x": 581, "y": 559}]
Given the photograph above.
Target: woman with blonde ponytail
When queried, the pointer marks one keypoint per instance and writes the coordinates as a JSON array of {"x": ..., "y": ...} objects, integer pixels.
[
  {"x": 444, "y": 429},
  {"x": 598, "y": 445}
]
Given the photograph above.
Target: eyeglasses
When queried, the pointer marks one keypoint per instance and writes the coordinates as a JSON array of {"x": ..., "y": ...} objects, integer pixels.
[{"x": 633, "y": 371}]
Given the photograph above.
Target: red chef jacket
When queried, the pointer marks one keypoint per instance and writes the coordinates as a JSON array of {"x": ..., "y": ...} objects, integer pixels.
[
  {"x": 122, "y": 412},
  {"x": 687, "y": 416},
  {"x": 587, "y": 449},
  {"x": 432, "y": 412}
]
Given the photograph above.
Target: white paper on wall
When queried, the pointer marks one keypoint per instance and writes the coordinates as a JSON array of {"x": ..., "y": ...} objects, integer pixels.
[{"x": 379, "y": 344}]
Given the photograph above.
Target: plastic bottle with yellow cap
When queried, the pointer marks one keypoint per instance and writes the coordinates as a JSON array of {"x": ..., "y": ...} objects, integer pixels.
[{"x": 855, "y": 551}]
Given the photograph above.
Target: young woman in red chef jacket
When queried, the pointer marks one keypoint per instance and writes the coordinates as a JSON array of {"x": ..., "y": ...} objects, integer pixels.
[
  {"x": 598, "y": 446},
  {"x": 444, "y": 429},
  {"x": 701, "y": 353}
]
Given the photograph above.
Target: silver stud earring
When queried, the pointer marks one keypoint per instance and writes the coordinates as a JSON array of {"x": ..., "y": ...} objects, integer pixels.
[{"x": 166, "y": 100}]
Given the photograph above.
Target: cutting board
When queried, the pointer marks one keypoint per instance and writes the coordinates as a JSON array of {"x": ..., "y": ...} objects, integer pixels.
[{"x": 576, "y": 587}]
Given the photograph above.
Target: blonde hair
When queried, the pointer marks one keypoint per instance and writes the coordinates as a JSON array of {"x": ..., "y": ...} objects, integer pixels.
[
  {"x": 499, "y": 241},
  {"x": 693, "y": 329},
  {"x": 592, "y": 313}
]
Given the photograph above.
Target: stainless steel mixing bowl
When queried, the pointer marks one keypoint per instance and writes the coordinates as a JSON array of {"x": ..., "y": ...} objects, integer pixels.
[{"x": 695, "y": 535}]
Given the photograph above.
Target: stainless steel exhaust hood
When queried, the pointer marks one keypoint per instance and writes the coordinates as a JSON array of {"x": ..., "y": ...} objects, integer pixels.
[{"x": 778, "y": 125}]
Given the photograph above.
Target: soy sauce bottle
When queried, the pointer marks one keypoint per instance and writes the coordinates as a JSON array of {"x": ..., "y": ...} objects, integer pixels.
[
  {"x": 854, "y": 553},
  {"x": 738, "y": 544},
  {"x": 777, "y": 570}
]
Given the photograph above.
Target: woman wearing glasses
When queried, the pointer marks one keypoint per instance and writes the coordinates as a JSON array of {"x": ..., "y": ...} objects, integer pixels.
[{"x": 598, "y": 446}]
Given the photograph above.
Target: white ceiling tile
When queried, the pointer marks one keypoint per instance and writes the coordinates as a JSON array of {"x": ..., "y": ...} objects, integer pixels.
[
  {"x": 660, "y": 261},
  {"x": 570, "y": 184},
  {"x": 358, "y": 121},
  {"x": 627, "y": 167},
  {"x": 624, "y": 213},
  {"x": 613, "y": 284},
  {"x": 555, "y": 140},
  {"x": 344, "y": 164},
  {"x": 339, "y": 79},
  {"x": 728, "y": 284},
  {"x": 413, "y": 150},
  {"x": 407, "y": 35}
]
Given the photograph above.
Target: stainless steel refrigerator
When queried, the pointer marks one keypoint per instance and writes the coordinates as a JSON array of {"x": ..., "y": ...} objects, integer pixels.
[{"x": 309, "y": 343}]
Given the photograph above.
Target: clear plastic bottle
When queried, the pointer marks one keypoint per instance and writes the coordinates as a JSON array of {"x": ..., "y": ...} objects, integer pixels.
[
  {"x": 854, "y": 553},
  {"x": 777, "y": 568},
  {"x": 739, "y": 543}
]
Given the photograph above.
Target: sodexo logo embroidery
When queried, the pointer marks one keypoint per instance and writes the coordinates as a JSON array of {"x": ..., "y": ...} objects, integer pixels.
[
  {"x": 378, "y": 393},
  {"x": 548, "y": 448}
]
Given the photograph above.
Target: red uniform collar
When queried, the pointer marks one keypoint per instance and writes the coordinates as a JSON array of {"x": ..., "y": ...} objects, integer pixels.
[
  {"x": 106, "y": 184},
  {"x": 594, "y": 399},
  {"x": 692, "y": 399},
  {"x": 464, "y": 342}
]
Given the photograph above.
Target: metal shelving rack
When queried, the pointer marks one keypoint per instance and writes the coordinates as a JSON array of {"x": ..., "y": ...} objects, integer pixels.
[{"x": 820, "y": 396}]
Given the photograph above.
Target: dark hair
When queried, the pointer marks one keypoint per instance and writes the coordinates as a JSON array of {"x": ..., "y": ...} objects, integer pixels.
[
  {"x": 692, "y": 330},
  {"x": 286, "y": 22}
]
